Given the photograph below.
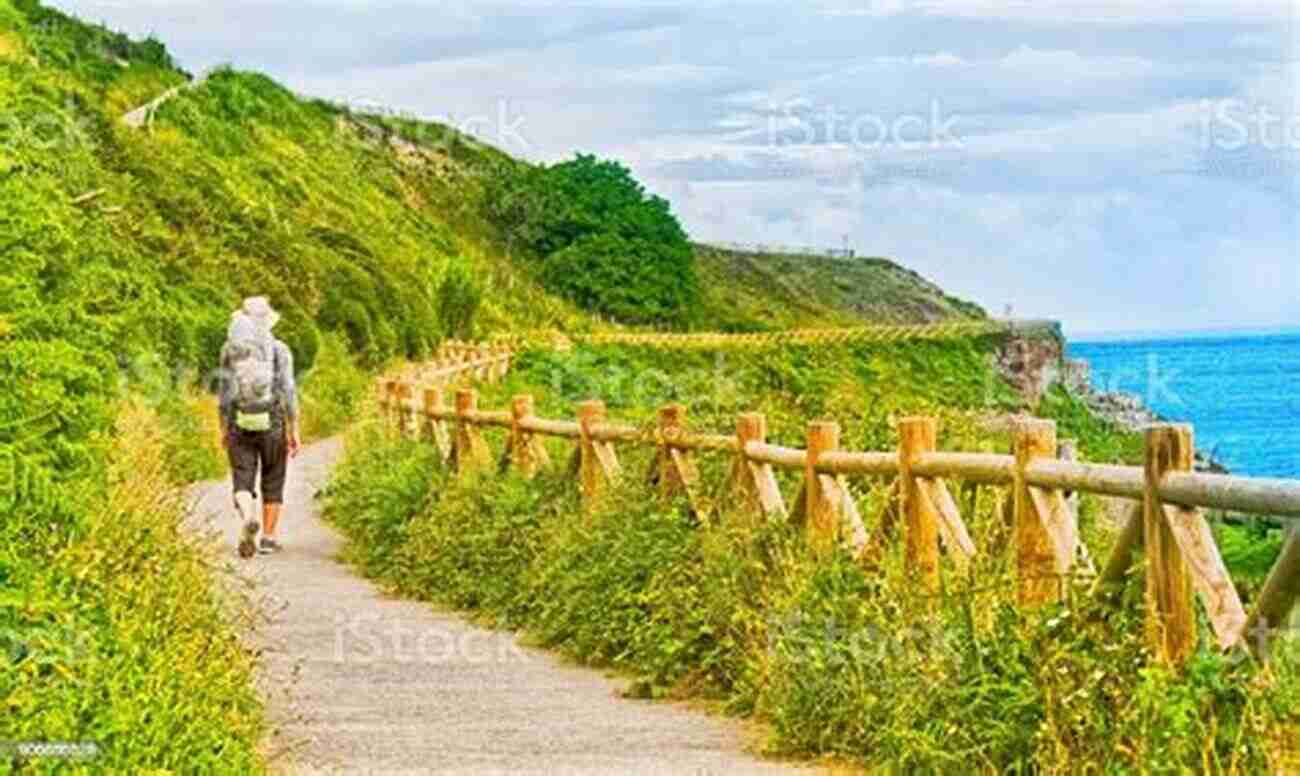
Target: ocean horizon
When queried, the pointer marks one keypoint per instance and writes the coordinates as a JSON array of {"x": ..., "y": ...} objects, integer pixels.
[
  {"x": 1156, "y": 335},
  {"x": 1239, "y": 388}
]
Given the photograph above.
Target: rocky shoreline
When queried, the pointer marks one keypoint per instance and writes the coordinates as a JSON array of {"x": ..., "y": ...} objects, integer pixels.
[
  {"x": 1033, "y": 362},
  {"x": 1127, "y": 411}
]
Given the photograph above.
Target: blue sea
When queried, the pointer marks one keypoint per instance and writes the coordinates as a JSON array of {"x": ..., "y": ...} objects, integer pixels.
[{"x": 1241, "y": 390}]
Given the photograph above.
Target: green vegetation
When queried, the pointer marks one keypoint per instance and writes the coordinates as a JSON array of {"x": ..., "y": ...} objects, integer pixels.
[
  {"x": 838, "y": 657},
  {"x": 111, "y": 631},
  {"x": 124, "y": 252},
  {"x": 459, "y": 300},
  {"x": 600, "y": 239},
  {"x": 765, "y": 292}
]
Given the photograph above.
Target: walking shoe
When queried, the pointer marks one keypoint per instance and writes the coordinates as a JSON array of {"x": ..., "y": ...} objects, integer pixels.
[
  {"x": 248, "y": 539},
  {"x": 268, "y": 546}
]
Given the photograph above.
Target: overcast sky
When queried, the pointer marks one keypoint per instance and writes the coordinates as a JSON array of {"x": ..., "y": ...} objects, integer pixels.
[{"x": 1115, "y": 164}]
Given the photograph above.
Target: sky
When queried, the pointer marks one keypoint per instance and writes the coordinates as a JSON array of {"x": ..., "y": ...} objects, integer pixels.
[{"x": 1113, "y": 164}]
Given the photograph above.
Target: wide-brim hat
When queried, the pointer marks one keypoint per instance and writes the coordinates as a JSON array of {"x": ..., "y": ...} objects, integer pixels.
[{"x": 259, "y": 309}]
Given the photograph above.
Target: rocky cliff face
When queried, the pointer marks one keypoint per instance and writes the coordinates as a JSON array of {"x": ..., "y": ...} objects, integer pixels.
[{"x": 1032, "y": 362}]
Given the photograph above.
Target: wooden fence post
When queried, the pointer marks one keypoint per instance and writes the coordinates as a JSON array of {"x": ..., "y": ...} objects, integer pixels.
[
  {"x": 502, "y": 367},
  {"x": 406, "y": 412},
  {"x": 590, "y": 413},
  {"x": 469, "y": 452},
  {"x": 1037, "y": 578},
  {"x": 527, "y": 452},
  {"x": 1277, "y": 598},
  {"x": 821, "y": 508},
  {"x": 436, "y": 429},
  {"x": 675, "y": 470},
  {"x": 754, "y": 484},
  {"x": 1171, "y": 620},
  {"x": 917, "y": 436}
]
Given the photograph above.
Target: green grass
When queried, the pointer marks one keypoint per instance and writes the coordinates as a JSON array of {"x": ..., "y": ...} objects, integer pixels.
[
  {"x": 765, "y": 292},
  {"x": 112, "y": 632}
]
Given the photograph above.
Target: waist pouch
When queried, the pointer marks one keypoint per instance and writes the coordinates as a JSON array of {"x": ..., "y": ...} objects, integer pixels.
[
  {"x": 254, "y": 418},
  {"x": 253, "y": 421}
]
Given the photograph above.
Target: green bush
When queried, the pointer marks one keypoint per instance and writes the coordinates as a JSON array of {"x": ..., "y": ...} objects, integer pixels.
[
  {"x": 629, "y": 279},
  {"x": 602, "y": 241},
  {"x": 331, "y": 393},
  {"x": 459, "y": 300}
]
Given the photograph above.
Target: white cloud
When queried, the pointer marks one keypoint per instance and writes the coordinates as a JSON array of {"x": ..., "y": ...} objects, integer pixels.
[
  {"x": 942, "y": 59},
  {"x": 1111, "y": 11}
]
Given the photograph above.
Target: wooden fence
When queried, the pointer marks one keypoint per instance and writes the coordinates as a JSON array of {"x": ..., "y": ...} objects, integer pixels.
[
  {"x": 909, "y": 332},
  {"x": 1165, "y": 516}
]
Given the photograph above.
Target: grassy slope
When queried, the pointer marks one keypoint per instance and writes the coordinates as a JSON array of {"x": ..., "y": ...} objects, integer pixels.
[{"x": 750, "y": 291}]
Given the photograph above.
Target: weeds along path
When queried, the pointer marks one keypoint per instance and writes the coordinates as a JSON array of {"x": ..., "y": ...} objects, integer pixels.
[{"x": 357, "y": 682}]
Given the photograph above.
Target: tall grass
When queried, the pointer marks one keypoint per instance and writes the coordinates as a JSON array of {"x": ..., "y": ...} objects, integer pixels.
[{"x": 121, "y": 638}]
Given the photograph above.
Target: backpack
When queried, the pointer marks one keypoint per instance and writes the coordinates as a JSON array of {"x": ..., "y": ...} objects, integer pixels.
[{"x": 250, "y": 360}]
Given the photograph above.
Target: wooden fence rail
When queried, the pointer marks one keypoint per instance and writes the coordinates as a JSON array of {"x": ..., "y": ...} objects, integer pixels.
[{"x": 1181, "y": 557}]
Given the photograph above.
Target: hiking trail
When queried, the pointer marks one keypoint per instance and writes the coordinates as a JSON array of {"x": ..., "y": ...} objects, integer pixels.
[{"x": 358, "y": 682}]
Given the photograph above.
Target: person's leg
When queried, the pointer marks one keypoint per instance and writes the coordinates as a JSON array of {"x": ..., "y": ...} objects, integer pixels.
[
  {"x": 270, "y": 518},
  {"x": 275, "y": 466},
  {"x": 243, "y": 466}
]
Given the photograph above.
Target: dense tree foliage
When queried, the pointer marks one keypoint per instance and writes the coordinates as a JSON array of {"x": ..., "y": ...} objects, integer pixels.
[{"x": 600, "y": 238}]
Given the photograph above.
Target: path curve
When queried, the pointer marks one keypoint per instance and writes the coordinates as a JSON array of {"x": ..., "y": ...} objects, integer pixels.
[{"x": 358, "y": 682}]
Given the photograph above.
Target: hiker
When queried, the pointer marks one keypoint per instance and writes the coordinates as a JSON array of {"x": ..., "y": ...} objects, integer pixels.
[{"x": 259, "y": 420}]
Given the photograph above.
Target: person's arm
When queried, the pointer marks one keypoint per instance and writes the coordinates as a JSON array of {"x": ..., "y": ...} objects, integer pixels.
[
  {"x": 225, "y": 398},
  {"x": 289, "y": 390}
]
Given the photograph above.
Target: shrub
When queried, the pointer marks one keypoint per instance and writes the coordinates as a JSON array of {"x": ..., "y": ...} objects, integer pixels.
[
  {"x": 459, "y": 299},
  {"x": 603, "y": 242},
  {"x": 629, "y": 279},
  {"x": 331, "y": 393}
]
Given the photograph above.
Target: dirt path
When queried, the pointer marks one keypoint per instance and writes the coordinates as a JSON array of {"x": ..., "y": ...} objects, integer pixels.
[{"x": 360, "y": 683}]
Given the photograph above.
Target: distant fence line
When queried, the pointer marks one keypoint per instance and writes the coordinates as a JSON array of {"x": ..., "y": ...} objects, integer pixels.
[
  {"x": 1167, "y": 495},
  {"x": 778, "y": 249},
  {"x": 959, "y": 329}
]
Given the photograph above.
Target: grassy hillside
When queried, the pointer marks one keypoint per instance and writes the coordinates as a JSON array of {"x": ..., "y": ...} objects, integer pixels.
[{"x": 754, "y": 291}]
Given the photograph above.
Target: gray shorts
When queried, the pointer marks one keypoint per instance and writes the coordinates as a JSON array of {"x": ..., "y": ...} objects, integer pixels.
[{"x": 264, "y": 453}]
